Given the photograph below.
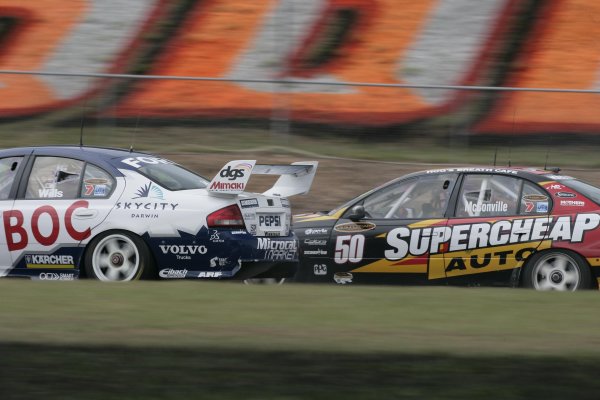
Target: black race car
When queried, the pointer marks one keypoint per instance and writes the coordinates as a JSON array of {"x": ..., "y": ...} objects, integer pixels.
[{"x": 460, "y": 226}]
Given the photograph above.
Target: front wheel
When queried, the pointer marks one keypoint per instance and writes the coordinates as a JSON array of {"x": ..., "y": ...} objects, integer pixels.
[
  {"x": 557, "y": 270},
  {"x": 118, "y": 257}
]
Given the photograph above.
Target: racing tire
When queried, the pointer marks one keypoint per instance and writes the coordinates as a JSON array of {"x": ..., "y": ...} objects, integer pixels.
[
  {"x": 559, "y": 270},
  {"x": 118, "y": 256}
]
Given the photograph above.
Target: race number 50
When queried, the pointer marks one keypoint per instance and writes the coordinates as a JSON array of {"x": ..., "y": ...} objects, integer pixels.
[{"x": 349, "y": 249}]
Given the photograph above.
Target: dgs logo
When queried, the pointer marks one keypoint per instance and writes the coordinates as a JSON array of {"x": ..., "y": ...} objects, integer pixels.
[{"x": 231, "y": 173}]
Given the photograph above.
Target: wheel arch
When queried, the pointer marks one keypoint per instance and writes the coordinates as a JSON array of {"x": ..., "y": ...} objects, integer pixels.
[
  {"x": 87, "y": 247},
  {"x": 518, "y": 280}
]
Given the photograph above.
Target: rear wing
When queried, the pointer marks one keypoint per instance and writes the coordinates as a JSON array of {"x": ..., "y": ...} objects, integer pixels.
[{"x": 296, "y": 178}]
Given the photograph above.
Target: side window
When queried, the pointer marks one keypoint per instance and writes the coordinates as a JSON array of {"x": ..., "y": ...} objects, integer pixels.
[
  {"x": 8, "y": 170},
  {"x": 97, "y": 183},
  {"x": 488, "y": 196},
  {"x": 54, "y": 178},
  {"x": 423, "y": 197},
  {"x": 534, "y": 200}
]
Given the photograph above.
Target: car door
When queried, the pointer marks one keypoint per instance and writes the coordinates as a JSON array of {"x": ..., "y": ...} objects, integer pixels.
[
  {"x": 61, "y": 200},
  {"x": 10, "y": 170},
  {"x": 499, "y": 221},
  {"x": 397, "y": 239}
]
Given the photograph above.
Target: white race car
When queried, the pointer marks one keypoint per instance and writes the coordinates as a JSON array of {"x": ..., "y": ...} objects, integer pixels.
[{"x": 116, "y": 215}]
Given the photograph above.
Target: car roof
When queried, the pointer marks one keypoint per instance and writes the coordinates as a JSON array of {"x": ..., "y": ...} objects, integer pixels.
[
  {"x": 535, "y": 174},
  {"x": 101, "y": 156},
  {"x": 74, "y": 151}
]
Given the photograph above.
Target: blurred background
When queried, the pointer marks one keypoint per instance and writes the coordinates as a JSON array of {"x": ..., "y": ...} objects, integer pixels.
[
  {"x": 370, "y": 88},
  {"x": 367, "y": 79}
]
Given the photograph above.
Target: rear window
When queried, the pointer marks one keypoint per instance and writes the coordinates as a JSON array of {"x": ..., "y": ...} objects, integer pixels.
[
  {"x": 589, "y": 191},
  {"x": 173, "y": 176}
]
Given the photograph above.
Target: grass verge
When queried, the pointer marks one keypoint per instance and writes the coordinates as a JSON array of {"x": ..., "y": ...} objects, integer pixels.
[{"x": 163, "y": 340}]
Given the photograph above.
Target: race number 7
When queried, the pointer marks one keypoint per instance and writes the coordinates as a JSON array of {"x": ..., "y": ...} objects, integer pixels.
[{"x": 349, "y": 248}]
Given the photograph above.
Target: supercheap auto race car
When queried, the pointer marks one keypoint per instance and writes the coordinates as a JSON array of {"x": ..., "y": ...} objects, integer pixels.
[
  {"x": 460, "y": 226},
  {"x": 116, "y": 215}
]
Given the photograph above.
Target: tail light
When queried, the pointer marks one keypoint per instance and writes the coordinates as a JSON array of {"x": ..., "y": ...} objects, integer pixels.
[{"x": 228, "y": 217}]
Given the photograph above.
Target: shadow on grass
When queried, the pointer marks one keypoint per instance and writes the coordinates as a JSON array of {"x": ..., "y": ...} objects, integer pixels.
[{"x": 45, "y": 372}]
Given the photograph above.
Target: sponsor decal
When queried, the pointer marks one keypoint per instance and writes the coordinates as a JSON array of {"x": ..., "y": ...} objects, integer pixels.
[
  {"x": 285, "y": 203},
  {"x": 215, "y": 238},
  {"x": 541, "y": 207},
  {"x": 572, "y": 203},
  {"x": 218, "y": 262},
  {"x": 278, "y": 249},
  {"x": 253, "y": 229},
  {"x": 49, "y": 261},
  {"x": 354, "y": 227},
  {"x": 210, "y": 274},
  {"x": 55, "y": 276},
  {"x": 269, "y": 244},
  {"x": 269, "y": 220},
  {"x": 565, "y": 194},
  {"x": 17, "y": 236},
  {"x": 136, "y": 162},
  {"x": 316, "y": 231},
  {"x": 318, "y": 252},
  {"x": 144, "y": 216},
  {"x": 468, "y": 169},
  {"x": 498, "y": 206},
  {"x": 490, "y": 259},
  {"x": 149, "y": 190},
  {"x": 419, "y": 241},
  {"x": 249, "y": 216},
  {"x": 559, "y": 177},
  {"x": 128, "y": 205},
  {"x": 554, "y": 187},
  {"x": 239, "y": 171},
  {"x": 183, "y": 252},
  {"x": 535, "y": 197},
  {"x": 315, "y": 242},
  {"x": 249, "y": 203},
  {"x": 320, "y": 269},
  {"x": 343, "y": 277},
  {"x": 100, "y": 190},
  {"x": 271, "y": 233},
  {"x": 529, "y": 206},
  {"x": 170, "y": 273},
  {"x": 227, "y": 186},
  {"x": 239, "y": 232},
  {"x": 89, "y": 190},
  {"x": 44, "y": 193}
]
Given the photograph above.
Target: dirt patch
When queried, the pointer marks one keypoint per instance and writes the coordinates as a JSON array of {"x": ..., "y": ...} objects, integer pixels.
[{"x": 336, "y": 182}]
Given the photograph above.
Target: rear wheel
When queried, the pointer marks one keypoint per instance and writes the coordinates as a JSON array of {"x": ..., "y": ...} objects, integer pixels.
[
  {"x": 557, "y": 270},
  {"x": 118, "y": 257}
]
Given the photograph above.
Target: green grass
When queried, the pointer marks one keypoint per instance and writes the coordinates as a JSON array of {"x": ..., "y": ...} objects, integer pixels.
[
  {"x": 178, "y": 340},
  {"x": 418, "y": 148}
]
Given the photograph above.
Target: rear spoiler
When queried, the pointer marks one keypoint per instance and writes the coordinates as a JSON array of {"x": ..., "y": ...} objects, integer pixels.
[{"x": 296, "y": 178}]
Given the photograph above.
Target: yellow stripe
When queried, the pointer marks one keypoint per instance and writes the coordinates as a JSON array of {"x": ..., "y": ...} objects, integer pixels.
[
  {"x": 391, "y": 267},
  {"x": 337, "y": 215},
  {"x": 50, "y": 266},
  {"x": 427, "y": 222},
  {"x": 593, "y": 261}
]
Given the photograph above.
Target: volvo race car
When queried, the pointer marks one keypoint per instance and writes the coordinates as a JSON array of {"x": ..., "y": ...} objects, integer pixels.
[
  {"x": 116, "y": 215},
  {"x": 460, "y": 226}
]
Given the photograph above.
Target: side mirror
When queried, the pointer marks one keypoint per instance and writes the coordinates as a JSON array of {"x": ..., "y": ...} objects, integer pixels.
[{"x": 357, "y": 212}]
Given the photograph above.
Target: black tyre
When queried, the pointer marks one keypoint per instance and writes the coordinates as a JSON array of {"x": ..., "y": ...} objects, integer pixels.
[
  {"x": 557, "y": 270},
  {"x": 118, "y": 256}
]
